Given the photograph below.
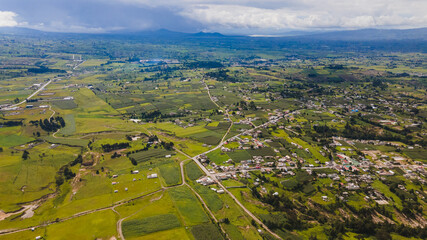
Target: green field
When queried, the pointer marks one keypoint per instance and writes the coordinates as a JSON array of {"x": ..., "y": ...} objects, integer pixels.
[
  {"x": 171, "y": 174},
  {"x": 145, "y": 156},
  {"x": 13, "y": 140},
  {"x": 217, "y": 156},
  {"x": 67, "y": 141},
  {"x": 193, "y": 171},
  {"x": 211, "y": 198},
  {"x": 144, "y": 105},
  {"x": 206, "y": 232},
  {"x": 239, "y": 155},
  {"x": 188, "y": 206},
  {"x": 139, "y": 227},
  {"x": 65, "y": 104},
  {"x": 70, "y": 125}
]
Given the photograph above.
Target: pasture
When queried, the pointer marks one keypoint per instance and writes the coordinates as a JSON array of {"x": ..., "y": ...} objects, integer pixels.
[
  {"x": 70, "y": 125},
  {"x": 13, "y": 140},
  {"x": 67, "y": 141},
  {"x": 65, "y": 104}
]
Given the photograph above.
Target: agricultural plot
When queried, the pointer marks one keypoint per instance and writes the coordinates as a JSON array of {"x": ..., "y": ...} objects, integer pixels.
[
  {"x": 366, "y": 105},
  {"x": 188, "y": 206},
  {"x": 70, "y": 125},
  {"x": 265, "y": 151},
  {"x": 139, "y": 227},
  {"x": 208, "y": 137},
  {"x": 89, "y": 103},
  {"x": 153, "y": 153},
  {"x": 170, "y": 173},
  {"x": 99, "y": 225},
  {"x": 65, "y": 104},
  {"x": 176, "y": 233},
  {"x": 30, "y": 179},
  {"x": 13, "y": 140},
  {"x": 212, "y": 200},
  {"x": 418, "y": 154},
  {"x": 193, "y": 171},
  {"x": 239, "y": 155},
  {"x": 220, "y": 128},
  {"x": 218, "y": 157},
  {"x": 206, "y": 232},
  {"x": 67, "y": 141},
  {"x": 93, "y": 186}
]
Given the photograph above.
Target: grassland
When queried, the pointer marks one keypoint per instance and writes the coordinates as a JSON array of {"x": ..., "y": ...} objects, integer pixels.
[
  {"x": 67, "y": 141},
  {"x": 14, "y": 140},
  {"x": 70, "y": 125}
]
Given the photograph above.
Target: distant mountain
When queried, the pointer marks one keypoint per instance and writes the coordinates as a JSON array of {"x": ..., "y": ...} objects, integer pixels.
[
  {"x": 351, "y": 35},
  {"x": 208, "y": 34},
  {"x": 372, "y": 34},
  {"x": 19, "y": 31}
]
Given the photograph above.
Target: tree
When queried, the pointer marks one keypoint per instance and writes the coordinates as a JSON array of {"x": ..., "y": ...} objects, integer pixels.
[
  {"x": 25, "y": 155},
  {"x": 133, "y": 161},
  {"x": 59, "y": 180},
  {"x": 312, "y": 237},
  {"x": 383, "y": 234},
  {"x": 252, "y": 105},
  {"x": 68, "y": 174},
  {"x": 253, "y": 222}
]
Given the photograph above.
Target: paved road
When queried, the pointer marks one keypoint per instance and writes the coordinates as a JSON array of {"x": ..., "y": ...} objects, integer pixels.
[
  {"x": 213, "y": 177},
  {"x": 113, "y": 206},
  {"x": 74, "y": 68},
  {"x": 40, "y": 89},
  {"x": 32, "y": 95}
]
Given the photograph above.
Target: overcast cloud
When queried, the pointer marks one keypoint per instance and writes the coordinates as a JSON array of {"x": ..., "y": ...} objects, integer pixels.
[{"x": 240, "y": 16}]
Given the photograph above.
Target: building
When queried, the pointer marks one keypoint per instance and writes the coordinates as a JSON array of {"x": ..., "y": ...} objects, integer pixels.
[{"x": 154, "y": 175}]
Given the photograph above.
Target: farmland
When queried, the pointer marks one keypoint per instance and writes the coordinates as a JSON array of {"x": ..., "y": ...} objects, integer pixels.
[
  {"x": 138, "y": 227},
  {"x": 176, "y": 140}
]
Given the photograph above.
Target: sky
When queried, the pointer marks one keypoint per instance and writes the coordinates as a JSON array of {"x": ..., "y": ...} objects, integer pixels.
[{"x": 225, "y": 16}]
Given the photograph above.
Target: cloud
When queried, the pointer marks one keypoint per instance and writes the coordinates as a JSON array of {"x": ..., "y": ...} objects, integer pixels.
[
  {"x": 242, "y": 16},
  {"x": 311, "y": 14},
  {"x": 7, "y": 19}
]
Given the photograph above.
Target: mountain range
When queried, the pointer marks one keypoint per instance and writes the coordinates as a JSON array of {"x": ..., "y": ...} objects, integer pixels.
[{"x": 347, "y": 35}]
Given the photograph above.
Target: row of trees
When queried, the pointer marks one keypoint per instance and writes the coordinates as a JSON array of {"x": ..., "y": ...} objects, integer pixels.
[
  {"x": 111, "y": 147},
  {"x": 11, "y": 123}
]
